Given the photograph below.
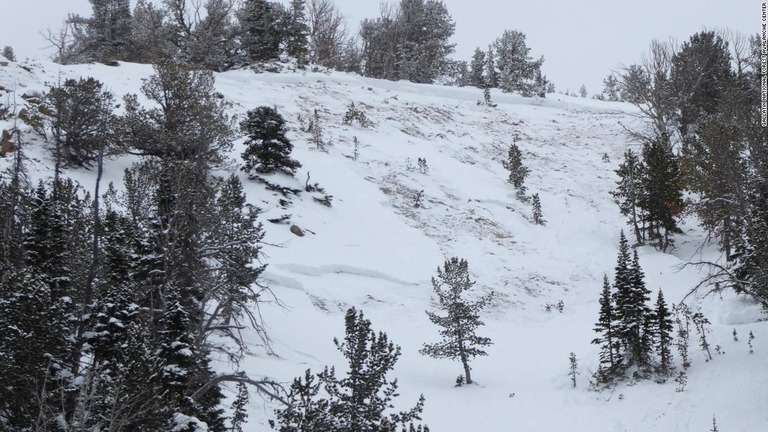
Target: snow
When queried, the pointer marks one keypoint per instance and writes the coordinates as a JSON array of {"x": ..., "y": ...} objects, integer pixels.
[{"x": 374, "y": 251}]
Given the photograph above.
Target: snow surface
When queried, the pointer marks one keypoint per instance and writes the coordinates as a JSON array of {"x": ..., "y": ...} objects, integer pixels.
[{"x": 374, "y": 251}]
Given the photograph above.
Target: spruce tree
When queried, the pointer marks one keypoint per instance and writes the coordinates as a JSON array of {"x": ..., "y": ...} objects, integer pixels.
[
  {"x": 81, "y": 120},
  {"x": 517, "y": 171},
  {"x": 477, "y": 69},
  {"x": 636, "y": 317},
  {"x": 297, "y": 33},
  {"x": 538, "y": 216},
  {"x": 662, "y": 197},
  {"x": 459, "y": 326},
  {"x": 267, "y": 146},
  {"x": 628, "y": 191},
  {"x": 357, "y": 402},
  {"x": 663, "y": 330},
  {"x": 263, "y": 29},
  {"x": 622, "y": 285},
  {"x": 607, "y": 340},
  {"x": 491, "y": 75}
]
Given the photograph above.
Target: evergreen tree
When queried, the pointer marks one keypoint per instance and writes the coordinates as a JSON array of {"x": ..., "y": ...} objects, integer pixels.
[
  {"x": 424, "y": 29},
  {"x": 663, "y": 330},
  {"x": 517, "y": 71},
  {"x": 458, "y": 327},
  {"x": 149, "y": 39},
  {"x": 538, "y": 216},
  {"x": 104, "y": 37},
  {"x": 189, "y": 123},
  {"x": 699, "y": 77},
  {"x": 607, "y": 339},
  {"x": 661, "y": 198},
  {"x": 628, "y": 191},
  {"x": 81, "y": 120},
  {"x": 267, "y": 147},
  {"x": 517, "y": 171},
  {"x": 491, "y": 75},
  {"x": 636, "y": 316},
  {"x": 477, "y": 69},
  {"x": 716, "y": 170},
  {"x": 357, "y": 402},
  {"x": 263, "y": 29},
  {"x": 297, "y": 33},
  {"x": 611, "y": 88},
  {"x": 212, "y": 42},
  {"x": 622, "y": 284},
  {"x": 583, "y": 91}
]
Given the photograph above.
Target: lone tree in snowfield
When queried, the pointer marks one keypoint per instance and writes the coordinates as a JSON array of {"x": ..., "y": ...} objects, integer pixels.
[
  {"x": 462, "y": 320},
  {"x": 267, "y": 148},
  {"x": 517, "y": 171}
]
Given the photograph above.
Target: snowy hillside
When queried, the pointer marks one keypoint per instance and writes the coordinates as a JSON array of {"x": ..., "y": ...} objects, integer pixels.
[{"x": 374, "y": 250}]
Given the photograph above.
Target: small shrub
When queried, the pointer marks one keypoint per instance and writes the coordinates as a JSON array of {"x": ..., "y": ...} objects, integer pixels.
[
  {"x": 354, "y": 114},
  {"x": 8, "y": 53}
]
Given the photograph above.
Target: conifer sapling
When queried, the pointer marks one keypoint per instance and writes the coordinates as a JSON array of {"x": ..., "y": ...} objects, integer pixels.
[{"x": 458, "y": 327}]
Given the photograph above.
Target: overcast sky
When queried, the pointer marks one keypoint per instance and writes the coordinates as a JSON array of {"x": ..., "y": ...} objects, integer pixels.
[{"x": 581, "y": 41}]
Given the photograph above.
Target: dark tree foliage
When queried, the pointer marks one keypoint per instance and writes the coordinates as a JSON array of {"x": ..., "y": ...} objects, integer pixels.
[
  {"x": 357, "y": 402},
  {"x": 267, "y": 146},
  {"x": 662, "y": 196},
  {"x": 716, "y": 171},
  {"x": 538, "y": 215},
  {"x": 410, "y": 42},
  {"x": 662, "y": 327},
  {"x": 190, "y": 123},
  {"x": 263, "y": 25},
  {"x": 517, "y": 71},
  {"x": 104, "y": 37},
  {"x": 517, "y": 171},
  {"x": 149, "y": 34},
  {"x": 607, "y": 339},
  {"x": 700, "y": 76},
  {"x": 297, "y": 33},
  {"x": 628, "y": 192},
  {"x": 750, "y": 260},
  {"x": 477, "y": 70},
  {"x": 81, "y": 120},
  {"x": 459, "y": 326}
]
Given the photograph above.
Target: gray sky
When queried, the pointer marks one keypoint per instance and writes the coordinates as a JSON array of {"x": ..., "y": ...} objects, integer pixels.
[{"x": 581, "y": 40}]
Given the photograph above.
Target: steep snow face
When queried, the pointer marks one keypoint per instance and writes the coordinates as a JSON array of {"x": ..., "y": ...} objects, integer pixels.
[{"x": 375, "y": 250}]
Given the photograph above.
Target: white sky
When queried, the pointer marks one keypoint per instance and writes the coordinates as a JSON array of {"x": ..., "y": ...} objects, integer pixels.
[{"x": 581, "y": 40}]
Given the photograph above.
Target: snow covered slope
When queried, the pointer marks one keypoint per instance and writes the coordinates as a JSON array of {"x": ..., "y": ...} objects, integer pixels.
[{"x": 374, "y": 250}]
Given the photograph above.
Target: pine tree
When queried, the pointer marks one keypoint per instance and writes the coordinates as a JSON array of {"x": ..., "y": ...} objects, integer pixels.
[
  {"x": 267, "y": 146},
  {"x": 458, "y": 327},
  {"x": 663, "y": 329},
  {"x": 357, "y": 402},
  {"x": 622, "y": 284},
  {"x": 517, "y": 71},
  {"x": 610, "y": 360},
  {"x": 491, "y": 75},
  {"x": 583, "y": 91},
  {"x": 263, "y": 29},
  {"x": 517, "y": 171},
  {"x": 637, "y": 317},
  {"x": 149, "y": 39},
  {"x": 611, "y": 88},
  {"x": 81, "y": 121},
  {"x": 297, "y": 33},
  {"x": 188, "y": 123},
  {"x": 699, "y": 77},
  {"x": 661, "y": 198},
  {"x": 477, "y": 69},
  {"x": 628, "y": 191},
  {"x": 538, "y": 216}
]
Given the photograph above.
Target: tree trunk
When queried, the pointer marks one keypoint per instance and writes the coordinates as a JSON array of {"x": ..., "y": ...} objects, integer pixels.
[{"x": 465, "y": 363}]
